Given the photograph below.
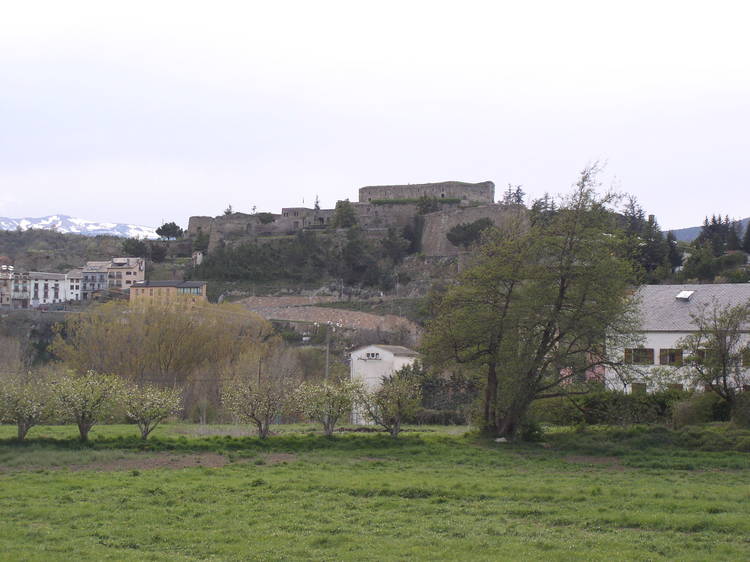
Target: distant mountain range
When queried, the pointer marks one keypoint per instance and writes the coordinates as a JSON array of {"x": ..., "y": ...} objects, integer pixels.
[
  {"x": 67, "y": 224},
  {"x": 691, "y": 233}
]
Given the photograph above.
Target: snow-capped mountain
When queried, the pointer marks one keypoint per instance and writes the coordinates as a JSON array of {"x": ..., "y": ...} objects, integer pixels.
[{"x": 66, "y": 224}]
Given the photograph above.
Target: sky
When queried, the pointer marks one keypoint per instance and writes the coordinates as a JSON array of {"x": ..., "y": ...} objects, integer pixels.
[{"x": 145, "y": 112}]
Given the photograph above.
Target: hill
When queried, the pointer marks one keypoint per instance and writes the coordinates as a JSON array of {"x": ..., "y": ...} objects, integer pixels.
[
  {"x": 691, "y": 233},
  {"x": 46, "y": 250},
  {"x": 73, "y": 225}
]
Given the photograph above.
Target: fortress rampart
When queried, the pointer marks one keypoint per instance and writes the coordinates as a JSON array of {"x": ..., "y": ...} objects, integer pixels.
[{"x": 467, "y": 193}]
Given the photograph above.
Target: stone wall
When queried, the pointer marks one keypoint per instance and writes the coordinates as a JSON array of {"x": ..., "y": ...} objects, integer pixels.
[
  {"x": 436, "y": 226},
  {"x": 483, "y": 192}
]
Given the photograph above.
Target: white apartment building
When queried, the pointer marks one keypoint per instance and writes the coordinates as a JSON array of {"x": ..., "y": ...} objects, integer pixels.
[
  {"x": 74, "y": 284},
  {"x": 666, "y": 313},
  {"x": 47, "y": 288}
]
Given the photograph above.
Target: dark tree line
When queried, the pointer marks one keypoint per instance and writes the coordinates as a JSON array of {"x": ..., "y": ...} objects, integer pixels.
[{"x": 310, "y": 257}]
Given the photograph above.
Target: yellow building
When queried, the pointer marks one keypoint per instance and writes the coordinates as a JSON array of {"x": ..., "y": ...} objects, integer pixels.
[{"x": 162, "y": 292}]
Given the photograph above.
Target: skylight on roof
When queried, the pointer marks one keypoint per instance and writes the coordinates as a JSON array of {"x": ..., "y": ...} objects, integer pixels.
[{"x": 684, "y": 295}]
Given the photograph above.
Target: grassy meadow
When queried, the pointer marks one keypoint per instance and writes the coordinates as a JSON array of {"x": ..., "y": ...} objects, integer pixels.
[{"x": 197, "y": 493}]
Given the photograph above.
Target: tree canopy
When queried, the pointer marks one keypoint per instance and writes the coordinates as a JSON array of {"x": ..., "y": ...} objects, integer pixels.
[
  {"x": 170, "y": 230},
  {"x": 534, "y": 310}
]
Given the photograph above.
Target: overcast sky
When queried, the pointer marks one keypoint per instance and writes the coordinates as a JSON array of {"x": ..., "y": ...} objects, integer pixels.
[{"x": 141, "y": 112}]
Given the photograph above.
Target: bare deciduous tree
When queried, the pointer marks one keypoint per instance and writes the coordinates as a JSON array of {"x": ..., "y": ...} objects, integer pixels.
[{"x": 717, "y": 355}]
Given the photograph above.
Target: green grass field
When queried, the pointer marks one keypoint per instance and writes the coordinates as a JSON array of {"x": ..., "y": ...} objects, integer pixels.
[{"x": 435, "y": 494}]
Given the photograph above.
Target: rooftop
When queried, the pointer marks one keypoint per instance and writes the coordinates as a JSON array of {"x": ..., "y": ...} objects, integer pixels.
[
  {"x": 45, "y": 275},
  {"x": 398, "y": 350},
  {"x": 668, "y": 308},
  {"x": 178, "y": 284}
]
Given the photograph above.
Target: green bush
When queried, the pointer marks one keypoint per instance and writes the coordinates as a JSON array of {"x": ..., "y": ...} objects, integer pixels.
[
  {"x": 702, "y": 407},
  {"x": 741, "y": 411},
  {"x": 607, "y": 407}
]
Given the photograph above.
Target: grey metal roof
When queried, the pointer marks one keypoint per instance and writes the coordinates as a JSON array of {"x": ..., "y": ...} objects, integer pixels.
[{"x": 661, "y": 311}]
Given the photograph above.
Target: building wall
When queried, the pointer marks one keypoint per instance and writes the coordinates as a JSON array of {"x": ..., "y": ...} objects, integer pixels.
[
  {"x": 165, "y": 295},
  {"x": 483, "y": 192},
  {"x": 656, "y": 341},
  {"x": 122, "y": 277},
  {"x": 47, "y": 289},
  {"x": 372, "y": 370}
]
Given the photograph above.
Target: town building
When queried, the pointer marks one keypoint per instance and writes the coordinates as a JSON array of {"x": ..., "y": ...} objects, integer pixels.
[
  {"x": 666, "y": 316},
  {"x": 47, "y": 288},
  {"x": 166, "y": 292},
  {"x": 95, "y": 279},
  {"x": 123, "y": 272},
  {"x": 75, "y": 283},
  {"x": 6, "y": 285},
  {"x": 21, "y": 295},
  {"x": 371, "y": 363}
]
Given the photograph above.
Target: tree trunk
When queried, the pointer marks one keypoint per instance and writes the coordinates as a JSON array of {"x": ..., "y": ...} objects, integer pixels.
[
  {"x": 490, "y": 401},
  {"x": 508, "y": 424},
  {"x": 263, "y": 429},
  {"x": 145, "y": 431},
  {"x": 395, "y": 429},
  {"x": 83, "y": 430},
  {"x": 23, "y": 429}
]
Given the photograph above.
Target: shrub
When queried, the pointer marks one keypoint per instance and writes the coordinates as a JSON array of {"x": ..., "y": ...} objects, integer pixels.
[
  {"x": 700, "y": 408},
  {"x": 741, "y": 410},
  {"x": 531, "y": 431}
]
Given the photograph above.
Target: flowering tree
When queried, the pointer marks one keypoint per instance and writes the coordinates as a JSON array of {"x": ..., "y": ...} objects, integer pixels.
[
  {"x": 24, "y": 402},
  {"x": 327, "y": 402},
  {"x": 259, "y": 395},
  {"x": 149, "y": 405},
  {"x": 397, "y": 397},
  {"x": 87, "y": 398}
]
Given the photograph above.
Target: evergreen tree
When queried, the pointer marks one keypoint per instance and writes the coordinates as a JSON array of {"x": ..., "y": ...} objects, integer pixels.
[
  {"x": 746, "y": 239},
  {"x": 169, "y": 230},
  {"x": 674, "y": 254},
  {"x": 513, "y": 195},
  {"x": 733, "y": 237}
]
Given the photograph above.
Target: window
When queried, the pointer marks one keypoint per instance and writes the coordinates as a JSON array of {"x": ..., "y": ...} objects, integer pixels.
[
  {"x": 639, "y": 356},
  {"x": 675, "y": 386},
  {"x": 638, "y": 388},
  {"x": 746, "y": 357},
  {"x": 670, "y": 357}
]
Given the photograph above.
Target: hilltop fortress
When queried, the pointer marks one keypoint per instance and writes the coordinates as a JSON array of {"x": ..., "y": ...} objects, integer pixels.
[{"x": 378, "y": 209}]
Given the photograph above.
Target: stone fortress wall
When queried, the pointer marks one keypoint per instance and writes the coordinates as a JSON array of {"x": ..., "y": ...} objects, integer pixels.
[
  {"x": 436, "y": 226},
  {"x": 375, "y": 214},
  {"x": 468, "y": 193}
]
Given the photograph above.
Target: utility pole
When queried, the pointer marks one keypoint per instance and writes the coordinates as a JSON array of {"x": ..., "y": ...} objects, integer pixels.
[{"x": 328, "y": 350}]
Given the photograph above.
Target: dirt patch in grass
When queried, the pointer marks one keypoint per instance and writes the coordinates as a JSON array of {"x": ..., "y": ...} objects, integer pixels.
[
  {"x": 611, "y": 462},
  {"x": 276, "y": 458},
  {"x": 140, "y": 462}
]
